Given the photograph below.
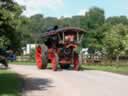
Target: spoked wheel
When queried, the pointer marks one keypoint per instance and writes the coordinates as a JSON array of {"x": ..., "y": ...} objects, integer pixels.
[
  {"x": 64, "y": 66},
  {"x": 41, "y": 56}
]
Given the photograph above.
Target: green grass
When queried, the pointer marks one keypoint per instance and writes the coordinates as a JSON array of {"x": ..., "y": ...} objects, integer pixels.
[
  {"x": 10, "y": 83},
  {"x": 23, "y": 62},
  {"x": 115, "y": 69}
]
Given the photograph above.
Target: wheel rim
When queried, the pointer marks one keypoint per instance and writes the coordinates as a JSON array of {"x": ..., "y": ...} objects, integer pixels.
[{"x": 44, "y": 56}]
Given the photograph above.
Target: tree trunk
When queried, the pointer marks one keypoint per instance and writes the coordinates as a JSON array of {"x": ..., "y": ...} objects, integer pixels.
[{"x": 117, "y": 58}]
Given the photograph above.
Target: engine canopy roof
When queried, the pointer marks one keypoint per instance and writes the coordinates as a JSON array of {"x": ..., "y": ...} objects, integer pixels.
[{"x": 68, "y": 30}]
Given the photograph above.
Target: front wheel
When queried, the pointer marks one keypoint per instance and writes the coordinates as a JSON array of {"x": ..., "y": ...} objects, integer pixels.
[{"x": 41, "y": 56}]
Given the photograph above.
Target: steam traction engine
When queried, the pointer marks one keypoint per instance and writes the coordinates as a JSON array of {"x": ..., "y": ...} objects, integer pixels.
[{"x": 60, "y": 47}]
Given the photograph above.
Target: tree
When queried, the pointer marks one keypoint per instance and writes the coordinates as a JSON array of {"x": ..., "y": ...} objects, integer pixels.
[
  {"x": 117, "y": 19},
  {"x": 24, "y": 28},
  {"x": 116, "y": 41},
  {"x": 65, "y": 22},
  {"x": 93, "y": 22},
  {"x": 9, "y": 18}
]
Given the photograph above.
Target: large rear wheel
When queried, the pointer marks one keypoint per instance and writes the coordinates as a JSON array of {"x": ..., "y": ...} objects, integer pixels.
[{"x": 41, "y": 56}]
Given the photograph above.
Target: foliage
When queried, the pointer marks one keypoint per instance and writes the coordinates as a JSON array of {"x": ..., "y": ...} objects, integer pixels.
[
  {"x": 117, "y": 20},
  {"x": 93, "y": 22},
  {"x": 32, "y": 55},
  {"x": 116, "y": 40},
  {"x": 107, "y": 35},
  {"x": 9, "y": 19},
  {"x": 103, "y": 34}
]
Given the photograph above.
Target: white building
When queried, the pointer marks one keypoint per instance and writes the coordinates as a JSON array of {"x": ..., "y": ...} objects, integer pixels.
[{"x": 28, "y": 48}]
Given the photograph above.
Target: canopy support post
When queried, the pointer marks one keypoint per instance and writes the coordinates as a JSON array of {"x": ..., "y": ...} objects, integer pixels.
[
  {"x": 63, "y": 37},
  {"x": 77, "y": 36}
]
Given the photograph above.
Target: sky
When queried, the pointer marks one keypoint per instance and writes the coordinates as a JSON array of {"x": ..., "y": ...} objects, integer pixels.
[{"x": 68, "y": 8}]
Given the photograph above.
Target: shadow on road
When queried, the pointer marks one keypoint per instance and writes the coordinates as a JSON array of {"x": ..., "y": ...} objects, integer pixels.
[
  {"x": 36, "y": 84},
  {"x": 70, "y": 68},
  {"x": 82, "y": 69}
]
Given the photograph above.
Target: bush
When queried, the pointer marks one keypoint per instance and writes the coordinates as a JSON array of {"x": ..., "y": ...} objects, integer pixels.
[{"x": 32, "y": 55}]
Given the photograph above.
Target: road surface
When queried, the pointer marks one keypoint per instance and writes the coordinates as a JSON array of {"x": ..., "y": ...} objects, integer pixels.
[{"x": 71, "y": 83}]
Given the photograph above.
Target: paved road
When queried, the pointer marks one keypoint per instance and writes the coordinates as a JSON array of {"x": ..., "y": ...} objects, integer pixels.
[{"x": 71, "y": 83}]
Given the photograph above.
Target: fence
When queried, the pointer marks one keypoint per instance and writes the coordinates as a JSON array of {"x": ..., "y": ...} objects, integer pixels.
[{"x": 23, "y": 58}]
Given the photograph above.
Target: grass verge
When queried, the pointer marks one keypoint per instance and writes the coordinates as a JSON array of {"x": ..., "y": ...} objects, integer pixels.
[
  {"x": 23, "y": 62},
  {"x": 115, "y": 69},
  {"x": 10, "y": 83}
]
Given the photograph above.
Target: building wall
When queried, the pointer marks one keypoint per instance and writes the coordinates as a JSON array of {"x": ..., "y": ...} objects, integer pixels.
[{"x": 28, "y": 48}]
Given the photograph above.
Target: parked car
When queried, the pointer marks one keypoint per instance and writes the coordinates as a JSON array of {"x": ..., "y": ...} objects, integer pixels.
[{"x": 11, "y": 57}]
